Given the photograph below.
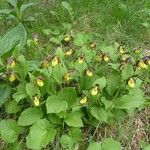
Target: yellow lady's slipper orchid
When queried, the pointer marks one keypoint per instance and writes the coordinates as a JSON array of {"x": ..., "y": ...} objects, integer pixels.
[
  {"x": 142, "y": 65},
  {"x": 66, "y": 77},
  {"x": 89, "y": 73},
  {"x": 67, "y": 38},
  {"x": 36, "y": 101},
  {"x": 55, "y": 61},
  {"x": 80, "y": 60},
  {"x": 121, "y": 50},
  {"x": 39, "y": 82},
  {"x": 83, "y": 100},
  {"x": 69, "y": 52},
  {"x": 105, "y": 58},
  {"x": 94, "y": 90},
  {"x": 131, "y": 83},
  {"x": 12, "y": 77},
  {"x": 11, "y": 63}
]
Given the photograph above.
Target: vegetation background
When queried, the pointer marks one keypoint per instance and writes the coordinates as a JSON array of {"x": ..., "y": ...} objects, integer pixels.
[{"x": 126, "y": 22}]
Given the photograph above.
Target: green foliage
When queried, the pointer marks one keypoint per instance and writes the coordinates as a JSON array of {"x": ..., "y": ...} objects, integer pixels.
[
  {"x": 41, "y": 133},
  {"x": 9, "y": 130},
  {"x": 107, "y": 144},
  {"x": 29, "y": 116},
  {"x": 53, "y": 96},
  {"x": 16, "y": 36}
]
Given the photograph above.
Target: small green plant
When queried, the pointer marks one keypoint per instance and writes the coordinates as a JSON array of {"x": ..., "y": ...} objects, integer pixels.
[
  {"x": 16, "y": 9},
  {"x": 81, "y": 84}
]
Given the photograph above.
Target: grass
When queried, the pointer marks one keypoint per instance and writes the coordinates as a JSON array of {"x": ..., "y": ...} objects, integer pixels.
[{"x": 110, "y": 21}]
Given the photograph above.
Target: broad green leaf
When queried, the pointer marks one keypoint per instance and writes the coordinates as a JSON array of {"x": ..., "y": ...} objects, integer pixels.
[
  {"x": 32, "y": 90},
  {"x": 81, "y": 39},
  {"x": 29, "y": 116},
  {"x": 111, "y": 51},
  {"x": 59, "y": 52},
  {"x": 25, "y": 6},
  {"x": 69, "y": 95},
  {"x": 17, "y": 146},
  {"x": 13, "y": 3},
  {"x": 67, "y": 6},
  {"x": 4, "y": 93},
  {"x": 147, "y": 147},
  {"x": 41, "y": 134},
  {"x": 130, "y": 101},
  {"x": 99, "y": 113},
  {"x": 111, "y": 144},
  {"x": 54, "y": 104},
  {"x": 21, "y": 92},
  {"x": 94, "y": 146},
  {"x": 5, "y": 11},
  {"x": 66, "y": 142},
  {"x": 58, "y": 73},
  {"x": 113, "y": 82},
  {"x": 108, "y": 103},
  {"x": 9, "y": 130},
  {"x": 15, "y": 36},
  {"x": 22, "y": 67},
  {"x": 74, "y": 120},
  {"x": 76, "y": 134},
  {"x": 101, "y": 82},
  {"x": 127, "y": 72},
  {"x": 11, "y": 107}
]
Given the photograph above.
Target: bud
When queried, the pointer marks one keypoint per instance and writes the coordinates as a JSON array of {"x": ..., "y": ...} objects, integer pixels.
[
  {"x": 92, "y": 45},
  {"x": 89, "y": 73},
  {"x": 45, "y": 64},
  {"x": 55, "y": 61},
  {"x": 12, "y": 77},
  {"x": 121, "y": 50},
  {"x": 146, "y": 59},
  {"x": 148, "y": 62},
  {"x": 36, "y": 101},
  {"x": 66, "y": 77},
  {"x": 39, "y": 82},
  {"x": 99, "y": 57},
  {"x": 11, "y": 63},
  {"x": 105, "y": 58},
  {"x": 94, "y": 90},
  {"x": 69, "y": 52},
  {"x": 131, "y": 83},
  {"x": 67, "y": 38},
  {"x": 83, "y": 100},
  {"x": 142, "y": 65},
  {"x": 80, "y": 60},
  {"x": 136, "y": 50}
]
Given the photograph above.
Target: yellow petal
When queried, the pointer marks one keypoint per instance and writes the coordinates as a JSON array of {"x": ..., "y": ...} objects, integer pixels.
[
  {"x": 69, "y": 52},
  {"x": 12, "y": 78},
  {"x": 94, "y": 91},
  {"x": 106, "y": 58},
  {"x": 83, "y": 100},
  {"x": 55, "y": 61},
  {"x": 121, "y": 50},
  {"x": 40, "y": 82},
  {"x": 66, "y": 77},
  {"x": 89, "y": 73},
  {"x": 142, "y": 65},
  {"x": 80, "y": 60},
  {"x": 36, "y": 101},
  {"x": 131, "y": 83}
]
